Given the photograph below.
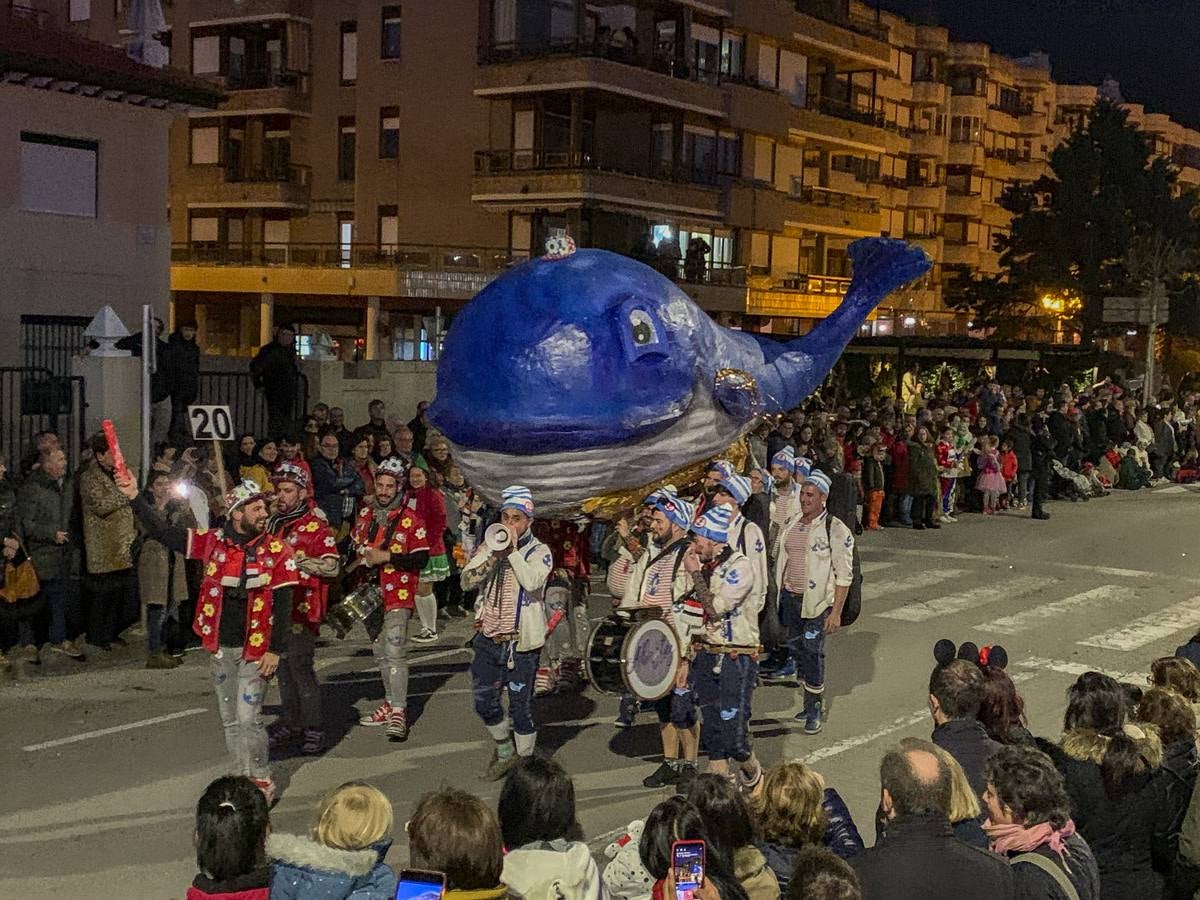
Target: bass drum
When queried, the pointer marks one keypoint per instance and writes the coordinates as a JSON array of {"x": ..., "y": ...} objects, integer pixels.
[{"x": 631, "y": 656}]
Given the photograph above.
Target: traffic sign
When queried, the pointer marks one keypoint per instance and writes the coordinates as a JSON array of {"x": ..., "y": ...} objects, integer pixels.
[{"x": 211, "y": 423}]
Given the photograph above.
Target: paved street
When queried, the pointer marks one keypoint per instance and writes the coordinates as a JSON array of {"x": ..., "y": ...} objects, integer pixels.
[{"x": 102, "y": 768}]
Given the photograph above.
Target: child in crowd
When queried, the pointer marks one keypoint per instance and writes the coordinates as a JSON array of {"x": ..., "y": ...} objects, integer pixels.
[
  {"x": 1189, "y": 470},
  {"x": 947, "y": 462},
  {"x": 873, "y": 484},
  {"x": 231, "y": 834},
  {"x": 343, "y": 860},
  {"x": 1008, "y": 470},
  {"x": 991, "y": 482}
]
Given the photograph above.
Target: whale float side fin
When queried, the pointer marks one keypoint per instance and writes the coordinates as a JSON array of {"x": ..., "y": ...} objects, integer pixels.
[
  {"x": 738, "y": 393},
  {"x": 880, "y": 266}
]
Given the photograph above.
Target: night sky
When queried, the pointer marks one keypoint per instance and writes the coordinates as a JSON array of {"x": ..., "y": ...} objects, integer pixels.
[{"x": 1149, "y": 46}]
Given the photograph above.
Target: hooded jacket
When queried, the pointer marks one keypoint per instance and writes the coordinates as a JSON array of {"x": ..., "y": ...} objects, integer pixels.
[
  {"x": 251, "y": 886},
  {"x": 1128, "y": 833},
  {"x": 552, "y": 868},
  {"x": 841, "y": 836},
  {"x": 304, "y": 869},
  {"x": 754, "y": 875}
]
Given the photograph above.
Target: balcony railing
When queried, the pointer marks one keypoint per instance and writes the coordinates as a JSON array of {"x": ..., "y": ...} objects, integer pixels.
[
  {"x": 1016, "y": 110},
  {"x": 506, "y": 162},
  {"x": 818, "y": 196},
  {"x": 409, "y": 257},
  {"x": 1010, "y": 156},
  {"x": 836, "y": 12},
  {"x": 841, "y": 109},
  {"x": 257, "y": 79},
  {"x": 517, "y": 51},
  {"x": 270, "y": 173},
  {"x": 815, "y": 284}
]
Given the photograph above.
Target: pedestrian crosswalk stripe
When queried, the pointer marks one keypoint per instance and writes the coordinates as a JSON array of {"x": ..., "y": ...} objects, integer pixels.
[
  {"x": 877, "y": 590},
  {"x": 1156, "y": 626},
  {"x": 875, "y": 565},
  {"x": 1075, "y": 668},
  {"x": 1041, "y": 614},
  {"x": 923, "y": 611},
  {"x": 1173, "y": 489}
]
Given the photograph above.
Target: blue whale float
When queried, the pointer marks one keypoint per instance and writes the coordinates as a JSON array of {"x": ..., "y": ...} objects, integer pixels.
[{"x": 583, "y": 373}]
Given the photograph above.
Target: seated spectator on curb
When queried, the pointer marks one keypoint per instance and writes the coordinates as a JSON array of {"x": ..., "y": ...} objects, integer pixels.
[
  {"x": 1179, "y": 674},
  {"x": 452, "y": 832},
  {"x": 546, "y": 856},
  {"x": 677, "y": 820},
  {"x": 731, "y": 828},
  {"x": 795, "y": 810},
  {"x": 343, "y": 860},
  {"x": 822, "y": 875},
  {"x": 1029, "y": 814},
  {"x": 1118, "y": 795},
  {"x": 232, "y": 823},
  {"x": 1002, "y": 712},
  {"x": 918, "y": 857},
  {"x": 956, "y": 693}
]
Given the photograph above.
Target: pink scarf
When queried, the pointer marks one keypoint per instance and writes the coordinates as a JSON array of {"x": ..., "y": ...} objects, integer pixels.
[{"x": 1007, "y": 839}]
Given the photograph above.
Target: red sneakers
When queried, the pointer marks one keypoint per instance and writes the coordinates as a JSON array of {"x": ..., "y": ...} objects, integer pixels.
[{"x": 381, "y": 716}]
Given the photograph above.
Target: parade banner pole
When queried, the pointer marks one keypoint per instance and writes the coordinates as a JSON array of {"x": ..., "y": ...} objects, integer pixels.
[{"x": 149, "y": 367}]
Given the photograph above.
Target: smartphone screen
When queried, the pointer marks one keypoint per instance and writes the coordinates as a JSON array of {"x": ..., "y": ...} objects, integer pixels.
[
  {"x": 417, "y": 884},
  {"x": 687, "y": 862}
]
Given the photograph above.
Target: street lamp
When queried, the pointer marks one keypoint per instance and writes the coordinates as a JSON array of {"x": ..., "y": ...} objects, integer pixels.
[{"x": 1061, "y": 304}]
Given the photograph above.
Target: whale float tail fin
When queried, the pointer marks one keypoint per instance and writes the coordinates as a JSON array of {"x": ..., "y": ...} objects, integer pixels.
[{"x": 880, "y": 266}]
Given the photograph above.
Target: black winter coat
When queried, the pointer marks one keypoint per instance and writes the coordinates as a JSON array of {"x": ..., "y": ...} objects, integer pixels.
[
  {"x": 921, "y": 859},
  {"x": 872, "y": 474},
  {"x": 180, "y": 367},
  {"x": 1080, "y": 867},
  {"x": 1019, "y": 437},
  {"x": 1128, "y": 833},
  {"x": 757, "y": 509},
  {"x": 274, "y": 369},
  {"x": 969, "y": 744}
]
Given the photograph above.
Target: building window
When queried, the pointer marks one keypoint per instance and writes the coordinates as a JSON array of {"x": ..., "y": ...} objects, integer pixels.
[
  {"x": 732, "y": 50},
  {"x": 204, "y": 230},
  {"x": 206, "y": 145},
  {"x": 729, "y": 157},
  {"x": 966, "y": 129},
  {"x": 389, "y": 230},
  {"x": 58, "y": 174},
  {"x": 389, "y": 41},
  {"x": 81, "y": 10},
  {"x": 389, "y": 132},
  {"x": 347, "y": 144},
  {"x": 706, "y": 43},
  {"x": 206, "y": 55},
  {"x": 349, "y": 52}
]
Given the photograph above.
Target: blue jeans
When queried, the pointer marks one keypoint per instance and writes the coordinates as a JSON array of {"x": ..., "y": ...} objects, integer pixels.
[
  {"x": 724, "y": 687},
  {"x": 904, "y": 513},
  {"x": 55, "y": 592},
  {"x": 491, "y": 674},
  {"x": 240, "y": 692},
  {"x": 806, "y": 643}
]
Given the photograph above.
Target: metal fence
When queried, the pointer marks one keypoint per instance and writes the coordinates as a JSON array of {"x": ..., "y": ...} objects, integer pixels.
[
  {"x": 35, "y": 399},
  {"x": 247, "y": 405},
  {"x": 51, "y": 342}
]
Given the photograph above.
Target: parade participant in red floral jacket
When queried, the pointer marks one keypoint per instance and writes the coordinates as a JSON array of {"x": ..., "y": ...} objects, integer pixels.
[
  {"x": 242, "y": 612},
  {"x": 566, "y": 603},
  {"x": 391, "y": 544},
  {"x": 299, "y": 522}
]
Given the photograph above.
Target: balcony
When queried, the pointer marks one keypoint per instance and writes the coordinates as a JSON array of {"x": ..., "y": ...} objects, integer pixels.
[
  {"x": 360, "y": 270},
  {"x": 829, "y": 121},
  {"x": 969, "y": 205},
  {"x": 758, "y": 110},
  {"x": 849, "y": 42},
  {"x": 929, "y": 93},
  {"x": 799, "y": 296},
  {"x": 927, "y": 143},
  {"x": 756, "y": 206},
  {"x": 996, "y": 215},
  {"x": 818, "y": 209},
  {"x": 507, "y": 179},
  {"x": 274, "y": 184},
  {"x": 927, "y": 196},
  {"x": 1000, "y": 163},
  {"x": 716, "y": 287},
  {"x": 965, "y": 153},
  {"x": 265, "y": 88},
  {"x": 975, "y": 54},
  {"x": 961, "y": 255},
  {"x": 523, "y": 68}
]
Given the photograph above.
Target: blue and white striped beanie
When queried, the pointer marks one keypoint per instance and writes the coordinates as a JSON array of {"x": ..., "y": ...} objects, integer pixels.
[
  {"x": 722, "y": 467},
  {"x": 820, "y": 481},
  {"x": 714, "y": 524},
  {"x": 802, "y": 468},
  {"x": 738, "y": 487},
  {"x": 678, "y": 512},
  {"x": 517, "y": 497},
  {"x": 768, "y": 481},
  {"x": 786, "y": 458}
]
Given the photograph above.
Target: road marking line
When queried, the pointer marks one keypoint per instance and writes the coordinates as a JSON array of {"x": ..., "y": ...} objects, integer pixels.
[
  {"x": 87, "y": 735},
  {"x": 1080, "y": 567},
  {"x": 918, "y": 582},
  {"x": 924, "y": 610},
  {"x": 1031, "y": 618},
  {"x": 851, "y": 743},
  {"x": 1075, "y": 668},
  {"x": 875, "y": 565},
  {"x": 1174, "y": 489},
  {"x": 413, "y": 660},
  {"x": 1147, "y": 629}
]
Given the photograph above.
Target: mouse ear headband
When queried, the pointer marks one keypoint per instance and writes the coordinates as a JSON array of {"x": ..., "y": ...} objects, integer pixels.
[{"x": 994, "y": 656}]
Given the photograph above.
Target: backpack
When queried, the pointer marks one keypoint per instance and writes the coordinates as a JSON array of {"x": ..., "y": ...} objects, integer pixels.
[{"x": 853, "y": 606}]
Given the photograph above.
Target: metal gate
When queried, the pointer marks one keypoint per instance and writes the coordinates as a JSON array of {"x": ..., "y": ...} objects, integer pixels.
[
  {"x": 34, "y": 399},
  {"x": 51, "y": 342},
  {"x": 246, "y": 404}
]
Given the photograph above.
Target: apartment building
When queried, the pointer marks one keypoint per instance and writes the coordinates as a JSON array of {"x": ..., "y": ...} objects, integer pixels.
[{"x": 377, "y": 163}]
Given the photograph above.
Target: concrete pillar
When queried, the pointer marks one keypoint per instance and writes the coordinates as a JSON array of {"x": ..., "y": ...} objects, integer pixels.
[
  {"x": 266, "y": 319},
  {"x": 371, "y": 320},
  {"x": 202, "y": 326},
  {"x": 114, "y": 391},
  {"x": 247, "y": 329}
]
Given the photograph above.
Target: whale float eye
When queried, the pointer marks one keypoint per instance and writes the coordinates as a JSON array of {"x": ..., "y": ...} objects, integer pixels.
[{"x": 642, "y": 328}]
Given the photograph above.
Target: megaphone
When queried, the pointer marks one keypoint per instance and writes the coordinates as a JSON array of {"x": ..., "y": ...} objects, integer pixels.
[{"x": 497, "y": 538}]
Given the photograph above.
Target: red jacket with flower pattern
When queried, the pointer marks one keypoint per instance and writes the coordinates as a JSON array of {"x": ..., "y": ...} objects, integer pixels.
[
  {"x": 309, "y": 536},
  {"x": 273, "y": 567},
  {"x": 567, "y": 544},
  {"x": 405, "y": 533}
]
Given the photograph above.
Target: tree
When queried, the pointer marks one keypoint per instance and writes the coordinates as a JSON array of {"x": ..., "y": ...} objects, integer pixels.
[{"x": 1072, "y": 230}]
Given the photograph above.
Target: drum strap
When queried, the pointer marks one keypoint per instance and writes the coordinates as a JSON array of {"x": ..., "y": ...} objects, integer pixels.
[{"x": 676, "y": 548}]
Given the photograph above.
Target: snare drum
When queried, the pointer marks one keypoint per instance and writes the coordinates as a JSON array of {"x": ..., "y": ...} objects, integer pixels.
[
  {"x": 357, "y": 607},
  {"x": 636, "y": 656}
]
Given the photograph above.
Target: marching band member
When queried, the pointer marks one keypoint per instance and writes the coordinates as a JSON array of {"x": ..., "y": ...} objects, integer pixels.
[
  {"x": 657, "y": 580},
  {"x": 789, "y": 472},
  {"x": 725, "y": 667},
  {"x": 389, "y": 539},
  {"x": 510, "y": 622},
  {"x": 249, "y": 577},
  {"x": 814, "y": 569},
  {"x": 298, "y": 521},
  {"x": 744, "y": 535}
]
